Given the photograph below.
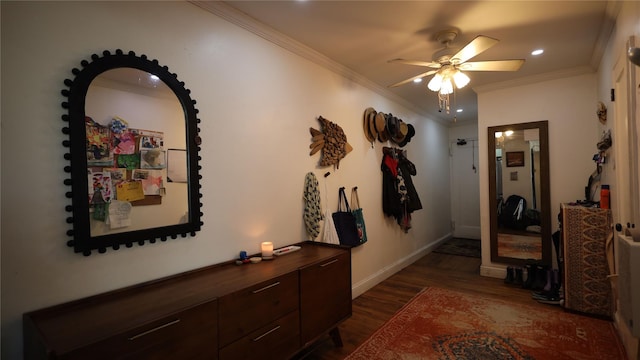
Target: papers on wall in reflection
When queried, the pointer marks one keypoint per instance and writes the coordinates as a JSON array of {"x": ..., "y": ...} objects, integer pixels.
[
  {"x": 100, "y": 191},
  {"x": 151, "y": 180},
  {"x": 129, "y": 191},
  {"x": 119, "y": 214}
]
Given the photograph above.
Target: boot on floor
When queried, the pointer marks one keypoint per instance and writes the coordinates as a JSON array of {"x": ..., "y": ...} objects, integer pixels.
[
  {"x": 518, "y": 279},
  {"x": 510, "y": 276},
  {"x": 541, "y": 278},
  {"x": 530, "y": 268}
]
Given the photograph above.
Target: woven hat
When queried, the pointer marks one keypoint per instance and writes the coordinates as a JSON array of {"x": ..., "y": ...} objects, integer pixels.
[
  {"x": 404, "y": 128},
  {"x": 411, "y": 132},
  {"x": 372, "y": 124},
  {"x": 365, "y": 124},
  {"x": 401, "y": 132},
  {"x": 392, "y": 125},
  {"x": 381, "y": 127}
]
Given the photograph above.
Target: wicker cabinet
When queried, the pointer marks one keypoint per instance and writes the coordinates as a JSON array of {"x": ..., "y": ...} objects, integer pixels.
[{"x": 269, "y": 310}]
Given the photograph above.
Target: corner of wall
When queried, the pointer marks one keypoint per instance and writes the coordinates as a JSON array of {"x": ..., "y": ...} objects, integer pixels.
[
  {"x": 361, "y": 287},
  {"x": 630, "y": 343}
]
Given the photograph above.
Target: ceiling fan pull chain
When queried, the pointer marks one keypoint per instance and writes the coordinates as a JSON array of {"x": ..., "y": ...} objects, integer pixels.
[{"x": 443, "y": 101}]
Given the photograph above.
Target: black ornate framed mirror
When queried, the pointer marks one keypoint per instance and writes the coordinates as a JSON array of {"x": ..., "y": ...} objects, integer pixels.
[
  {"x": 133, "y": 153},
  {"x": 519, "y": 195}
]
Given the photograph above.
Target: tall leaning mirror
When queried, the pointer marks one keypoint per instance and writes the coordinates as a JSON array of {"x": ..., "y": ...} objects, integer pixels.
[
  {"x": 520, "y": 211},
  {"x": 133, "y": 152}
]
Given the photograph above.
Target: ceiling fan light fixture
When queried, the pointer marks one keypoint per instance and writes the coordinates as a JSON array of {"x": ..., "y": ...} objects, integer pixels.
[
  {"x": 447, "y": 86},
  {"x": 461, "y": 79},
  {"x": 436, "y": 82}
]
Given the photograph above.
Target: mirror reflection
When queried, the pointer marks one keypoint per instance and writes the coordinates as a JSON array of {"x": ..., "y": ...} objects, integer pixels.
[
  {"x": 133, "y": 154},
  {"x": 135, "y": 129},
  {"x": 520, "y": 223},
  {"x": 517, "y": 178}
]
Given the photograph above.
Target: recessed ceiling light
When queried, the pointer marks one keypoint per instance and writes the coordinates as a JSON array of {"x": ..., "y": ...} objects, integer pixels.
[
  {"x": 537, "y": 52},
  {"x": 418, "y": 80},
  {"x": 459, "y": 110}
]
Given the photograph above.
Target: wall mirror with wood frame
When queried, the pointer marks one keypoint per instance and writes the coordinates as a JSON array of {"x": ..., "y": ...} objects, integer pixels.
[
  {"x": 133, "y": 152},
  {"x": 519, "y": 197}
]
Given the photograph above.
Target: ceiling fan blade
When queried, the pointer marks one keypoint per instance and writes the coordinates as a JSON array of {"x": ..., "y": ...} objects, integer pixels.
[
  {"x": 413, "y": 78},
  {"x": 431, "y": 64},
  {"x": 475, "y": 47},
  {"x": 495, "y": 65}
]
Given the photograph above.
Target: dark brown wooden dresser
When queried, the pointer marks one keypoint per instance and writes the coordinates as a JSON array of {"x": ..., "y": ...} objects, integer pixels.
[{"x": 268, "y": 310}]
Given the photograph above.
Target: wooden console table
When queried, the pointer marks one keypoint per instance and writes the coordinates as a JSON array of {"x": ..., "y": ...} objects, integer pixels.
[{"x": 269, "y": 310}]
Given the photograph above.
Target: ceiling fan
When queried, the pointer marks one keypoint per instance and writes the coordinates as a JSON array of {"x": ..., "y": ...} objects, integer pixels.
[{"x": 449, "y": 69}]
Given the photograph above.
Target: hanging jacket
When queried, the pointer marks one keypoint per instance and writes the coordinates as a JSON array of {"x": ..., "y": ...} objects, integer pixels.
[
  {"x": 408, "y": 169},
  {"x": 391, "y": 204}
]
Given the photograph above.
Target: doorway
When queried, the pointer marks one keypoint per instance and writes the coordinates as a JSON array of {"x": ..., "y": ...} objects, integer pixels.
[{"x": 465, "y": 188}]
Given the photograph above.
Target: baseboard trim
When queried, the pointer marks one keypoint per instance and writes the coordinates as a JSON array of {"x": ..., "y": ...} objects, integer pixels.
[
  {"x": 498, "y": 272},
  {"x": 362, "y": 286}
]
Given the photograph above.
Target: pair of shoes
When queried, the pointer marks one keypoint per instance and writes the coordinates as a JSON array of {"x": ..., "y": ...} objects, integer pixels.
[
  {"x": 559, "y": 302},
  {"x": 510, "y": 276},
  {"x": 530, "y": 267},
  {"x": 541, "y": 277},
  {"x": 551, "y": 292},
  {"x": 514, "y": 276},
  {"x": 518, "y": 280}
]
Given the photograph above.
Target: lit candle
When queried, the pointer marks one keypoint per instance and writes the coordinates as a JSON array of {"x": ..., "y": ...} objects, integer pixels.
[{"x": 267, "y": 250}]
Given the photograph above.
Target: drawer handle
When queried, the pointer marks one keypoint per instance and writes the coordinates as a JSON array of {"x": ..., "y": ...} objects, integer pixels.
[
  {"x": 266, "y": 287},
  {"x": 329, "y": 263},
  {"x": 154, "y": 329},
  {"x": 267, "y": 333}
]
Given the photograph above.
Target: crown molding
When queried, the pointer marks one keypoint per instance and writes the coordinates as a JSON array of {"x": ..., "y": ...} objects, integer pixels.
[
  {"x": 528, "y": 80},
  {"x": 236, "y": 17},
  {"x": 608, "y": 25}
]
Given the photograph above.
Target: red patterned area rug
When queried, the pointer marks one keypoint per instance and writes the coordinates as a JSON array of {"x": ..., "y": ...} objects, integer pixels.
[{"x": 442, "y": 324}]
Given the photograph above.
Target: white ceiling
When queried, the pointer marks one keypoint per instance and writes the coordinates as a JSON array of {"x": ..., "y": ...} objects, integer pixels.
[{"x": 362, "y": 36}]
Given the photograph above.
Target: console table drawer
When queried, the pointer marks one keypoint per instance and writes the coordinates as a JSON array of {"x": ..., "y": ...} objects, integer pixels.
[
  {"x": 252, "y": 308},
  {"x": 189, "y": 334},
  {"x": 278, "y": 340},
  {"x": 325, "y": 296}
]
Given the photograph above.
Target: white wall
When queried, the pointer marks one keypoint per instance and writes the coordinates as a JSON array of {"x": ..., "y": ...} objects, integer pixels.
[
  {"x": 256, "y": 102},
  {"x": 569, "y": 105},
  {"x": 627, "y": 24}
]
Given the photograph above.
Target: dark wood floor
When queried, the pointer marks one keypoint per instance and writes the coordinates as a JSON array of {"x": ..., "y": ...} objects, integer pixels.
[{"x": 377, "y": 305}]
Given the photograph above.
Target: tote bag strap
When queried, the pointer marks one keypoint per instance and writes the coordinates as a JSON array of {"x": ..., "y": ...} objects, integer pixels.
[
  {"x": 342, "y": 197},
  {"x": 355, "y": 201}
]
